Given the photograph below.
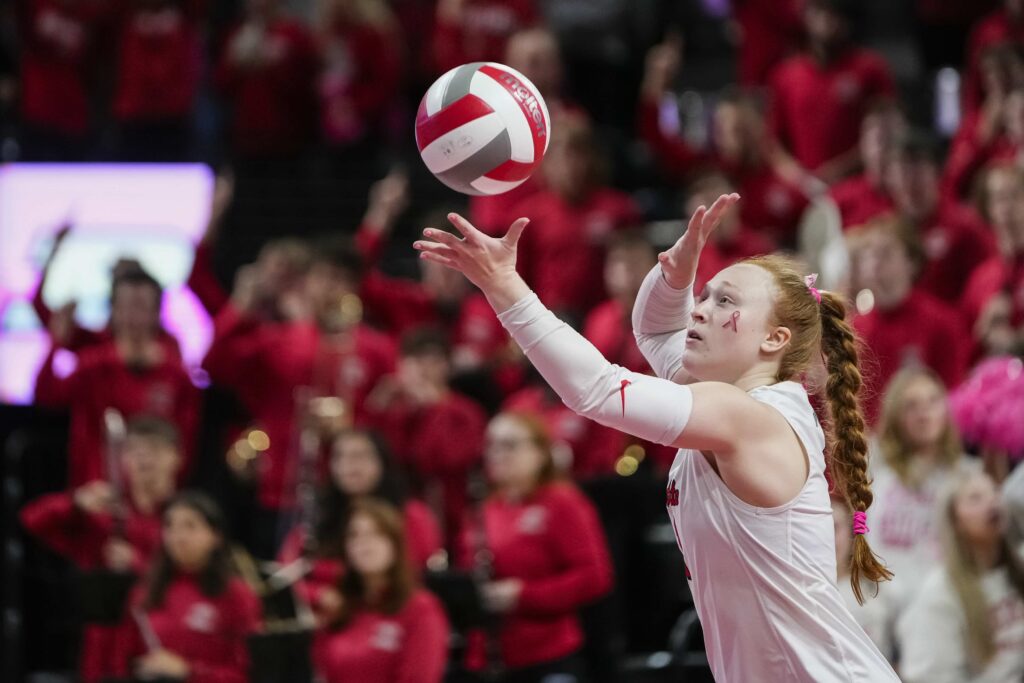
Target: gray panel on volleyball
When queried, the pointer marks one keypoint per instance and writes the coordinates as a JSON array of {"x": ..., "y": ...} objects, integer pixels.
[
  {"x": 458, "y": 86},
  {"x": 490, "y": 156}
]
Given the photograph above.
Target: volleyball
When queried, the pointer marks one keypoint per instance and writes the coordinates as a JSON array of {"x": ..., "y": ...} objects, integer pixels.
[{"x": 482, "y": 128}]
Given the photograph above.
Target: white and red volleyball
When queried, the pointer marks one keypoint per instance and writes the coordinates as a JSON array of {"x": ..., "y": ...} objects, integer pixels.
[{"x": 482, "y": 128}]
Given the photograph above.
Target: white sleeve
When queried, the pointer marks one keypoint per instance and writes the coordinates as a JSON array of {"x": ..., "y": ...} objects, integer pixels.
[
  {"x": 661, "y": 316},
  {"x": 641, "y": 405},
  {"x": 931, "y": 636}
]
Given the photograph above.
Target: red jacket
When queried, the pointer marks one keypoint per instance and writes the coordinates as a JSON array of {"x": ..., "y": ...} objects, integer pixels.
[
  {"x": 561, "y": 256},
  {"x": 859, "y": 200},
  {"x": 439, "y": 445},
  {"x": 994, "y": 29},
  {"x": 159, "y": 62},
  {"x": 770, "y": 32},
  {"x": 101, "y": 381},
  {"x": 264, "y": 363},
  {"x": 956, "y": 241},
  {"x": 273, "y": 103},
  {"x": 207, "y": 632},
  {"x": 81, "y": 537},
  {"x": 361, "y": 75},
  {"x": 554, "y": 543},
  {"x": 422, "y": 535},
  {"x": 58, "y": 41},
  {"x": 816, "y": 110},
  {"x": 923, "y": 330},
  {"x": 481, "y": 35},
  {"x": 408, "y": 647}
]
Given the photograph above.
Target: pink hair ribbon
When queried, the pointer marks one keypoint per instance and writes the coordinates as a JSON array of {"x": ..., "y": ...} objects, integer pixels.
[
  {"x": 860, "y": 522},
  {"x": 809, "y": 281}
]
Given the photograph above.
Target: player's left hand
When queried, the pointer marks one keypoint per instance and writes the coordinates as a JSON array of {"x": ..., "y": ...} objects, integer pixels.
[{"x": 482, "y": 259}]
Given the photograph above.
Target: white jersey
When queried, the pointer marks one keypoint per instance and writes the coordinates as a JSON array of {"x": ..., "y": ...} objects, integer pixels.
[{"x": 764, "y": 579}]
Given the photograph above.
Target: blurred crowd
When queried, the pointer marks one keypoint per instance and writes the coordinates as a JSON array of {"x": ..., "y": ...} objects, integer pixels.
[{"x": 372, "y": 476}]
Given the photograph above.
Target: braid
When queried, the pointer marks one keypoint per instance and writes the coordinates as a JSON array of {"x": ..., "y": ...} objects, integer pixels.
[{"x": 849, "y": 448}]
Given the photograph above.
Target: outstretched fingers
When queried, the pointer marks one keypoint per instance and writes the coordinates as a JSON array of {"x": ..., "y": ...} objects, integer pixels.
[
  {"x": 718, "y": 209},
  {"x": 516, "y": 231},
  {"x": 465, "y": 227}
]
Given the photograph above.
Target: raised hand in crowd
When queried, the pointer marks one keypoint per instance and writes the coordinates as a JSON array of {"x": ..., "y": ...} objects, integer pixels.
[{"x": 95, "y": 498}]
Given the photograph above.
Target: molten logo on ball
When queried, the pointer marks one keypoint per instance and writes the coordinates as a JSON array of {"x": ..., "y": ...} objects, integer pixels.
[{"x": 482, "y": 128}]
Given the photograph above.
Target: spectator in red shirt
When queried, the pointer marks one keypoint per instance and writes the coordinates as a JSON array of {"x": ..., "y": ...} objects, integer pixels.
[
  {"x": 135, "y": 372},
  {"x": 572, "y": 218},
  {"x": 549, "y": 554},
  {"x": 1003, "y": 26},
  {"x": 477, "y": 30},
  {"x": 385, "y": 629},
  {"x": 361, "y": 467},
  {"x": 362, "y": 69},
  {"x": 322, "y": 346},
  {"x": 200, "y": 613},
  {"x": 862, "y": 197},
  {"x": 267, "y": 71},
  {"x": 955, "y": 239},
  {"x": 97, "y": 529},
  {"x": 818, "y": 99},
  {"x": 769, "y": 32},
  {"x": 436, "y": 433},
  {"x": 773, "y": 198},
  {"x": 901, "y": 324},
  {"x": 993, "y": 300},
  {"x": 159, "y": 69},
  {"x": 58, "y": 44}
]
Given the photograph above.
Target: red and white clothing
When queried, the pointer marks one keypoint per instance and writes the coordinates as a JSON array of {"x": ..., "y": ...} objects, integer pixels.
[
  {"x": 273, "y": 102},
  {"x": 562, "y": 254},
  {"x": 859, "y": 199},
  {"x": 921, "y": 329},
  {"x": 82, "y": 537},
  {"x": 955, "y": 242},
  {"x": 552, "y": 540},
  {"x": 265, "y": 362},
  {"x": 208, "y": 632},
  {"x": 159, "y": 61},
  {"x": 816, "y": 109},
  {"x": 932, "y": 633},
  {"x": 769, "y": 573},
  {"x": 410, "y": 646},
  {"x": 422, "y": 536},
  {"x": 103, "y": 380}
]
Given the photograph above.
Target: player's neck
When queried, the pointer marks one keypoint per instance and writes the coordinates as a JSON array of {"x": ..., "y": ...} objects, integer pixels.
[{"x": 757, "y": 377}]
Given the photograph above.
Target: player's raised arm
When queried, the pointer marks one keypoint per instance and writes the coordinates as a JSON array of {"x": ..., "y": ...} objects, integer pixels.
[{"x": 664, "y": 304}]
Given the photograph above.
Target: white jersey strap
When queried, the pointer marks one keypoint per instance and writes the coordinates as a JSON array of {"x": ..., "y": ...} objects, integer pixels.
[
  {"x": 661, "y": 315},
  {"x": 644, "y": 406}
]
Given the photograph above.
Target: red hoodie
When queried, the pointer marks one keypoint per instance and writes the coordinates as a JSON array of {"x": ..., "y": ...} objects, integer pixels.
[
  {"x": 410, "y": 646},
  {"x": 422, "y": 534},
  {"x": 207, "y": 632},
  {"x": 102, "y": 380},
  {"x": 59, "y": 524},
  {"x": 264, "y": 363},
  {"x": 554, "y": 543}
]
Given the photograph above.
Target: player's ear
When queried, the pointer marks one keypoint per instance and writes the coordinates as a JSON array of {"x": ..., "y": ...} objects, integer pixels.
[{"x": 776, "y": 339}]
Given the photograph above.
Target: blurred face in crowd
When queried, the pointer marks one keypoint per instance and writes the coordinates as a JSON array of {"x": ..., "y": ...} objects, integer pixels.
[
  {"x": 885, "y": 267},
  {"x": 534, "y": 53},
  {"x": 425, "y": 368},
  {"x": 569, "y": 165},
  {"x": 843, "y": 525},
  {"x": 1013, "y": 115},
  {"x": 367, "y": 547},
  {"x": 924, "y": 414},
  {"x": 877, "y": 132},
  {"x": 913, "y": 185},
  {"x": 189, "y": 539},
  {"x": 277, "y": 269},
  {"x": 513, "y": 458},
  {"x": 151, "y": 464},
  {"x": 327, "y": 286},
  {"x": 979, "y": 516},
  {"x": 715, "y": 350},
  {"x": 737, "y": 130},
  {"x": 825, "y": 27},
  {"x": 135, "y": 310},
  {"x": 729, "y": 227},
  {"x": 1004, "y": 207},
  {"x": 445, "y": 284},
  {"x": 356, "y": 467},
  {"x": 625, "y": 268}
]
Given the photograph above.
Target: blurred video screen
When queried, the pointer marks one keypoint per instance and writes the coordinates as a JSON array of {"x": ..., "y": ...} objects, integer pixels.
[{"x": 154, "y": 213}]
